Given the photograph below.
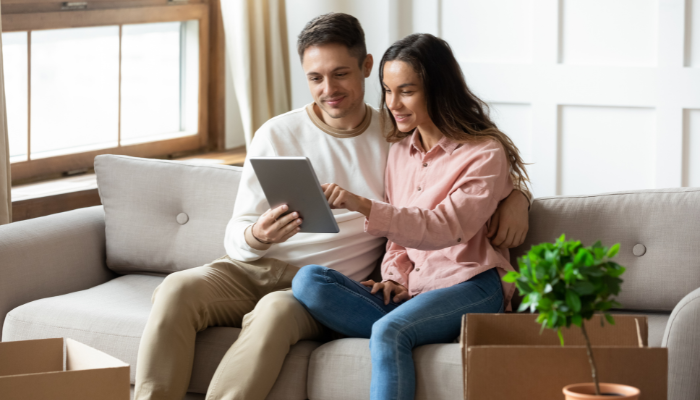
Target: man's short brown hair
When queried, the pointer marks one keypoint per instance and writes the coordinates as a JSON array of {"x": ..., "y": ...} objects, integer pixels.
[{"x": 334, "y": 28}]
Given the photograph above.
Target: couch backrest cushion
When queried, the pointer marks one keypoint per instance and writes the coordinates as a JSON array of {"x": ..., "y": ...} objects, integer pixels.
[
  {"x": 164, "y": 216},
  {"x": 658, "y": 230}
]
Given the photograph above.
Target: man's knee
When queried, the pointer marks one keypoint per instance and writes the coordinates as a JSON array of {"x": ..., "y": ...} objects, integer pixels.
[
  {"x": 278, "y": 306},
  {"x": 180, "y": 288}
]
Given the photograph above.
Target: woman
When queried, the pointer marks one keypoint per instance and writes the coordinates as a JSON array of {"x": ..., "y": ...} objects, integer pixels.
[{"x": 447, "y": 171}]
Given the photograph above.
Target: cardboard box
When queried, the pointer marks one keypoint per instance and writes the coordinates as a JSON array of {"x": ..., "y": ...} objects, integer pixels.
[
  {"x": 505, "y": 357},
  {"x": 35, "y": 370}
]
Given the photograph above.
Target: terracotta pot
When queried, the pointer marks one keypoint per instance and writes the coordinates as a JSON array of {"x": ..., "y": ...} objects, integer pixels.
[{"x": 608, "y": 391}]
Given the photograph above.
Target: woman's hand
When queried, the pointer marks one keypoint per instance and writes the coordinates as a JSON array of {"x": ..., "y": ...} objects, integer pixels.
[
  {"x": 340, "y": 198},
  {"x": 389, "y": 287}
]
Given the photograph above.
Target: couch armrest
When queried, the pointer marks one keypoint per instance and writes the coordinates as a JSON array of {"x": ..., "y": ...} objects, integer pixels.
[
  {"x": 682, "y": 337},
  {"x": 51, "y": 256}
]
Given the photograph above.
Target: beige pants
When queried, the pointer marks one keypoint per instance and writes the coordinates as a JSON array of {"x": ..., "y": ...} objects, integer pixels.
[{"x": 223, "y": 293}]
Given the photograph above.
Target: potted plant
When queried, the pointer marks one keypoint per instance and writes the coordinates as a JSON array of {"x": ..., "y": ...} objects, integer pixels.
[{"x": 567, "y": 283}]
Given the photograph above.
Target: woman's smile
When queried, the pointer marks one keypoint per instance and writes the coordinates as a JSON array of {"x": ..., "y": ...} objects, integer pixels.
[{"x": 402, "y": 117}]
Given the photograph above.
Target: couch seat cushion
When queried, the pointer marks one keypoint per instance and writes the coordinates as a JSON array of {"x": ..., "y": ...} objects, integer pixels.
[
  {"x": 111, "y": 317},
  {"x": 341, "y": 370}
]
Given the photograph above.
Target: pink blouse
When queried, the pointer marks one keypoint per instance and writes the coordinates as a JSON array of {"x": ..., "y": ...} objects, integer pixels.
[{"x": 439, "y": 203}]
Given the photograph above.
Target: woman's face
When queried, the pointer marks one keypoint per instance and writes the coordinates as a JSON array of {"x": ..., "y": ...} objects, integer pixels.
[{"x": 405, "y": 96}]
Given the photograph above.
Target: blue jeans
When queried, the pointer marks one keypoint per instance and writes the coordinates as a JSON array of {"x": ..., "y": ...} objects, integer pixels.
[{"x": 348, "y": 307}]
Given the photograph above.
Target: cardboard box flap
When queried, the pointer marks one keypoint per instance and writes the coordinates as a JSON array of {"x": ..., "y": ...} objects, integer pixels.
[
  {"x": 522, "y": 329},
  {"x": 31, "y": 356},
  {"x": 90, "y": 374},
  {"x": 81, "y": 357}
]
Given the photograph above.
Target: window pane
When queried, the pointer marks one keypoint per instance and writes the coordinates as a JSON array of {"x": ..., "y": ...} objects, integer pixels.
[
  {"x": 14, "y": 54},
  {"x": 152, "y": 56},
  {"x": 190, "y": 92},
  {"x": 75, "y": 90}
]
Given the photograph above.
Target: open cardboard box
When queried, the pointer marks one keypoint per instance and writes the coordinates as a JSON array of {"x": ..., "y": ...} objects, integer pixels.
[
  {"x": 506, "y": 357},
  {"x": 35, "y": 370}
]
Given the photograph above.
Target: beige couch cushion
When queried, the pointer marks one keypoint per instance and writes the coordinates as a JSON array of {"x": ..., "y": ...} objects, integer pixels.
[
  {"x": 164, "y": 216},
  {"x": 342, "y": 369},
  {"x": 663, "y": 224},
  {"x": 111, "y": 318}
]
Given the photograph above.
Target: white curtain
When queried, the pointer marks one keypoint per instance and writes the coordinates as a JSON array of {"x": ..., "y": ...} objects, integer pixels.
[
  {"x": 5, "y": 181},
  {"x": 256, "y": 46}
]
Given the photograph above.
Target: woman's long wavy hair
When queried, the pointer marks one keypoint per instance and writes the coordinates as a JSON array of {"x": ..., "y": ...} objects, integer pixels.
[{"x": 453, "y": 108}]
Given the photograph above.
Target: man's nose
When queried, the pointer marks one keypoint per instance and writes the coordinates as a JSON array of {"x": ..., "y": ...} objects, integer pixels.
[{"x": 328, "y": 87}]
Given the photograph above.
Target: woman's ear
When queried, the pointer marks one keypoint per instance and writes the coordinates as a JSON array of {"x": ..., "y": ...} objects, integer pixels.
[{"x": 367, "y": 65}]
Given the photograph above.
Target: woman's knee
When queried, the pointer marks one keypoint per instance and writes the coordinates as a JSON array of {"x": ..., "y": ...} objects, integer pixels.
[
  {"x": 389, "y": 331},
  {"x": 308, "y": 284}
]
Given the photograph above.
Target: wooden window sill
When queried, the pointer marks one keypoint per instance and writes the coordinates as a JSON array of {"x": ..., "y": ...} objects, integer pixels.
[{"x": 38, "y": 199}]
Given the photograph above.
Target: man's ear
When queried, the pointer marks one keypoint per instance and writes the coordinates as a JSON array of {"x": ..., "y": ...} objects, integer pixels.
[{"x": 367, "y": 65}]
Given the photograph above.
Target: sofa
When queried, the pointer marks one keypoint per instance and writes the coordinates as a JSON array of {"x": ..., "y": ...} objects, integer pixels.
[{"x": 89, "y": 274}]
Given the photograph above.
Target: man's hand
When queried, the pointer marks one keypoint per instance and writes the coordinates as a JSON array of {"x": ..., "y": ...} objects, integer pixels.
[
  {"x": 389, "y": 287},
  {"x": 509, "y": 224},
  {"x": 340, "y": 198},
  {"x": 272, "y": 228}
]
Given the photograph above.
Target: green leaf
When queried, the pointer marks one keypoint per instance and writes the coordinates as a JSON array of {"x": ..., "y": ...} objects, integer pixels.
[
  {"x": 568, "y": 272},
  {"x": 553, "y": 320},
  {"x": 511, "y": 276},
  {"x": 576, "y": 320},
  {"x": 561, "y": 337},
  {"x": 573, "y": 300},
  {"x": 614, "y": 250},
  {"x": 599, "y": 253},
  {"x": 584, "y": 288},
  {"x": 580, "y": 256},
  {"x": 615, "y": 269},
  {"x": 610, "y": 319}
]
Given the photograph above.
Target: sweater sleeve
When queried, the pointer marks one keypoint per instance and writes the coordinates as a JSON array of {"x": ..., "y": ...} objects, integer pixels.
[
  {"x": 396, "y": 265},
  {"x": 471, "y": 201},
  {"x": 250, "y": 204}
]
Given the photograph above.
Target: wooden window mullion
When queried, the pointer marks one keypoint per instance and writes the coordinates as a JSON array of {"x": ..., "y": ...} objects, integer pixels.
[
  {"x": 29, "y": 95},
  {"x": 119, "y": 113}
]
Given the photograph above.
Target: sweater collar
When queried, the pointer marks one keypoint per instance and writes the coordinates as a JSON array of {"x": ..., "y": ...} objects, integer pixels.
[{"x": 340, "y": 133}]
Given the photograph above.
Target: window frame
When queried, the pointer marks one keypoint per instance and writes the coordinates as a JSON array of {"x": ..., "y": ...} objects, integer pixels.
[{"x": 33, "y": 21}]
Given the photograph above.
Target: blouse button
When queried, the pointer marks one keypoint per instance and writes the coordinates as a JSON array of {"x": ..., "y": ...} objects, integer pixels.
[
  {"x": 425, "y": 165},
  {"x": 419, "y": 188},
  {"x": 459, "y": 239},
  {"x": 417, "y": 269},
  {"x": 391, "y": 273}
]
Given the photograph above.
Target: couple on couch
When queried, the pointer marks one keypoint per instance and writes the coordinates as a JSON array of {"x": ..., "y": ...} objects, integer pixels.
[{"x": 443, "y": 195}]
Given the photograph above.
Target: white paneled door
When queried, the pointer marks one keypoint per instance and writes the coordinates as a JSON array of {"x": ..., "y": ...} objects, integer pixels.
[{"x": 600, "y": 95}]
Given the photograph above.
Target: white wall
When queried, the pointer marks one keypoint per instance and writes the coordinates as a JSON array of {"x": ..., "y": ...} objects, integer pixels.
[
  {"x": 234, "y": 124},
  {"x": 601, "y": 95}
]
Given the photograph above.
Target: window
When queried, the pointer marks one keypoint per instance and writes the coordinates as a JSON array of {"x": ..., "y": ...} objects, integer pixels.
[{"x": 83, "y": 83}]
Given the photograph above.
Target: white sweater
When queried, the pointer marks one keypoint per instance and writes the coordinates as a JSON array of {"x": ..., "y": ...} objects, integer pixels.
[{"x": 355, "y": 160}]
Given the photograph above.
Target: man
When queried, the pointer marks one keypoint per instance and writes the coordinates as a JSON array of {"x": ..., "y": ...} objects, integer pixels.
[{"x": 341, "y": 136}]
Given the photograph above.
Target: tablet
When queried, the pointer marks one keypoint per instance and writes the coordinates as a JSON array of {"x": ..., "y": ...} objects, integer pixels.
[{"x": 292, "y": 181}]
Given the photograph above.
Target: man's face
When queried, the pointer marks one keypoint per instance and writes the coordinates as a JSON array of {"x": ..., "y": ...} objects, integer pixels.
[{"x": 336, "y": 80}]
